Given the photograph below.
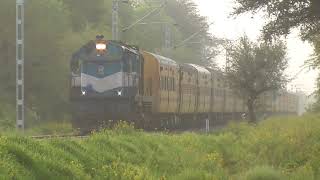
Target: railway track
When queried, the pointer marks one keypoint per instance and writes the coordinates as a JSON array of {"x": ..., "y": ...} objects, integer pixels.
[
  {"x": 175, "y": 131},
  {"x": 196, "y": 130},
  {"x": 59, "y": 136}
]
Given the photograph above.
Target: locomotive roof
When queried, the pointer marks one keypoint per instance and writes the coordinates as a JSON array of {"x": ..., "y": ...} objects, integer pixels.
[
  {"x": 200, "y": 68},
  {"x": 164, "y": 60}
]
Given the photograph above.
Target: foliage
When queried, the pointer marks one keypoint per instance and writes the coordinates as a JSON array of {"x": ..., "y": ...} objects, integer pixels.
[
  {"x": 280, "y": 148},
  {"x": 314, "y": 63},
  {"x": 7, "y": 115},
  {"x": 256, "y": 68},
  {"x": 285, "y": 15}
]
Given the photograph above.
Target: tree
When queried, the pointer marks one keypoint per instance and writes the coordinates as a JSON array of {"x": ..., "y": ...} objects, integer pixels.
[
  {"x": 284, "y": 15},
  {"x": 84, "y": 12},
  {"x": 45, "y": 69},
  {"x": 255, "y": 68}
]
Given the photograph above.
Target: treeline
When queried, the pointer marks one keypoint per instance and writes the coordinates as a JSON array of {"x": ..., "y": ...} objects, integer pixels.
[{"x": 55, "y": 29}]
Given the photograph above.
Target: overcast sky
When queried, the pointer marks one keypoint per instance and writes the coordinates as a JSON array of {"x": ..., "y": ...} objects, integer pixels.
[{"x": 224, "y": 26}]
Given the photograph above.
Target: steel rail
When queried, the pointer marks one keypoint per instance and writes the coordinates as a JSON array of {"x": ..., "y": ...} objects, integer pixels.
[{"x": 58, "y": 136}]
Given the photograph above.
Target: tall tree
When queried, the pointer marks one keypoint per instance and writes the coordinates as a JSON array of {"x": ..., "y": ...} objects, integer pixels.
[{"x": 255, "y": 68}]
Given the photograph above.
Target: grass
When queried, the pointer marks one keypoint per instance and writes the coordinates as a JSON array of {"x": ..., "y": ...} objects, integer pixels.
[
  {"x": 283, "y": 148},
  {"x": 44, "y": 128},
  {"x": 50, "y": 128}
]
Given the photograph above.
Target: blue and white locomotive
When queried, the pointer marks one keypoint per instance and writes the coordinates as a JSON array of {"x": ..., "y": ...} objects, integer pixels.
[{"x": 106, "y": 78}]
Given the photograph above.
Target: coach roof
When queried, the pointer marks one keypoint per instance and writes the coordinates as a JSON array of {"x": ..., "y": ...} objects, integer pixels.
[
  {"x": 200, "y": 68},
  {"x": 164, "y": 60}
]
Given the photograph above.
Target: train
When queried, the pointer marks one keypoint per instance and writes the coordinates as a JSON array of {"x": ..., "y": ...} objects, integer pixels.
[{"x": 112, "y": 81}]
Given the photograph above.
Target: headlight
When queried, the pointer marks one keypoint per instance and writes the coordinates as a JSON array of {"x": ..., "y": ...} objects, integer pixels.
[
  {"x": 101, "y": 47},
  {"x": 119, "y": 92}
]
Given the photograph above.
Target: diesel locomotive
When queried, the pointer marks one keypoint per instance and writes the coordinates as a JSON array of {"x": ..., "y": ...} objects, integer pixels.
[{"x": 112, "y": 81}]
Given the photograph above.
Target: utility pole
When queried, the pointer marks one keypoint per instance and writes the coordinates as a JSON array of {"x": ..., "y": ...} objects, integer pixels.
[
  {"x": 115, "y": 20},
  {"x": 167, "y": 36},
  {"x": 20, "y": 118},
  {"x": 167, "y": 32},
  {"x": 167, "y": 40}
]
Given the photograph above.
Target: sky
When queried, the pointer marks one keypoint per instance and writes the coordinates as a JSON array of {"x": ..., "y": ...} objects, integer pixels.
[{"x": 224, "y": 26}]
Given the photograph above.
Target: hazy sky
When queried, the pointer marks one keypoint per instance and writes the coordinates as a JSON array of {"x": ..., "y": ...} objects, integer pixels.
[{"x": 224, "y": 26}]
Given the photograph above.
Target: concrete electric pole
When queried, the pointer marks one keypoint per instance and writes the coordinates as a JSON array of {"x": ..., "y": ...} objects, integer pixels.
[
  {"x": 20, "y": 118},
  {"x": 167, "y": 36},
  {"x": 115, "y": 20}
]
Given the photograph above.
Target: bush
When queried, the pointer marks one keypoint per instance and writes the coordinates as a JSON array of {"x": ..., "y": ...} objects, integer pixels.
[{"x": 7, "y": 117}]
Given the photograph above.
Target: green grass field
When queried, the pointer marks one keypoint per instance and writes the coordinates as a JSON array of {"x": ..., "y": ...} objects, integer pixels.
[{"x": 284, "y": 148}]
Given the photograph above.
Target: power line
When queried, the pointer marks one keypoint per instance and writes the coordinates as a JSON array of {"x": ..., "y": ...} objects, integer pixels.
[
  {"x": 144, "y": 17},
  {"x": 298, "y": 73},
  {"x": 190, "y": 37}
]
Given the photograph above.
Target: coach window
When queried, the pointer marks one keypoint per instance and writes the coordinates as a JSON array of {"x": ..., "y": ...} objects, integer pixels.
[
  {"x": 174, "y": 87},
  {"x": 162, "y": 83},
  {"x": 167, "y": 87},
  {"x": 165, "y": 83},
  {"x": 172, "y": 84}
]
